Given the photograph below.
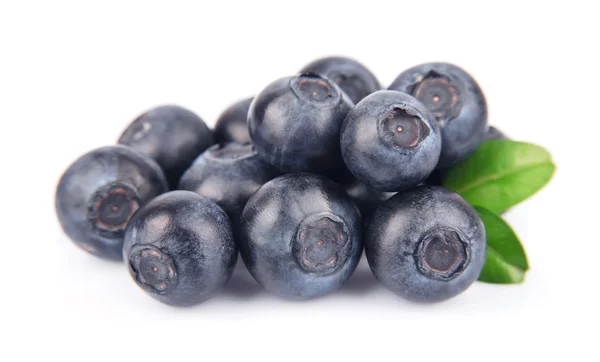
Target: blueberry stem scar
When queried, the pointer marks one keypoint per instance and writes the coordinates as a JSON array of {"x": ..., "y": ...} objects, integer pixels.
[
  {"x": 443, "y": 254},
  {"x": 152, "y": 269},
  {"x": 320, "y": 242},
  {"x": 111, "y": 208}
]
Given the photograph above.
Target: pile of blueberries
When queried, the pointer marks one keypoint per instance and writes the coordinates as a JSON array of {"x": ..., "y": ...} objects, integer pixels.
[{"x": 297, "y": 179}]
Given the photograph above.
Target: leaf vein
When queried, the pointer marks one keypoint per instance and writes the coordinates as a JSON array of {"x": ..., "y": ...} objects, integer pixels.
[{"x": 499, "y": 176}]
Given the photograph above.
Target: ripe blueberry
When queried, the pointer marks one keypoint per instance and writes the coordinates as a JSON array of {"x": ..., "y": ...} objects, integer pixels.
[
  {"x": 390, "y": 141},
  {"x": 455, "y": 100},
  {"x": 300, "y": 236},
  {"x": 232, "y": 125},
  {"x": 179, "y": 248},
  {"x": 228, "y": 174},
  {"x": 295, "y": 123},
  {"x": 98, "y": 194},
  {"x": 351, "y": 76},
  {"x": 426, "y": 244},
  {"x": 172, "y": 136}
]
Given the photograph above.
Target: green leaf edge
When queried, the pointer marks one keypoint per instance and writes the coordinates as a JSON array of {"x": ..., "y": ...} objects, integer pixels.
[
  {"x": 514, "y": 274},
  {"x": 450, "y": 183}
]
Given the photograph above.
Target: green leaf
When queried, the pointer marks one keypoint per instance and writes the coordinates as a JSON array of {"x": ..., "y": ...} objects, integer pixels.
[
  {"x": 501, "y": 173},
  {"x": 506, "y": 261}
]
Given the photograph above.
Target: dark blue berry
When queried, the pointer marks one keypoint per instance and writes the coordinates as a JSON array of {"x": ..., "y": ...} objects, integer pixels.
[
  {"x": 99, "y": 193},
  {"x": 232, "y": 125},
  {"x": 456, "y": 101},
  {"x": 301, "y": 236},
  {"x": 295, "y": 123},
  {"x": 228, "y": 174},
  {"x": 390, "y": 141},
  {"x": 179, "y": 248},
  {"x": 351, "y": 76},
  {"x": 172, "y": 136},
  {"x": 426, "y": 244}
]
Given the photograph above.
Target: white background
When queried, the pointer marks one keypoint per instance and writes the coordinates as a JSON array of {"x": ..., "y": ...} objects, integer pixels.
[{"x": 73, "y": 74}]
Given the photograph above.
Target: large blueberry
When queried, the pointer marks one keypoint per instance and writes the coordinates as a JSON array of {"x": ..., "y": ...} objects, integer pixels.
[
  {"x": 172, "y": 136},
  {"x": 232, "y": 125},
  {"x": 456, "y": 101},
  {"x": 228, "y": 174},
  {"x": 295, "y": 124},
  {"x": 98, "y": 194},
  {"x": 301, "y": 236},
  {"x": 179, "y": 248},
  {"x": 351, "y": 76},
  {"x": 390, "y": 141},
  {"x": 426, "y": 244}
]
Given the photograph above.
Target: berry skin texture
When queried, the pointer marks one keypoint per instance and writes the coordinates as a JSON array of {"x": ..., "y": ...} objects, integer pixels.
[
  {"x": 390, "y": 141},
  {"x": 426, "y": 244},
  {"x": 98, "y": 194},
  {"x": 295, "y": 124},
  {"x": 455, "y": 100},
  {"x": 351, "y": 76},
  {"x": 172, "y": 136},
  {"x": 232, "y": 125},
  {"x": 301, "y": 236},
  {"x": 228, "y": 174},
  {"x": 179, "y": 248}
]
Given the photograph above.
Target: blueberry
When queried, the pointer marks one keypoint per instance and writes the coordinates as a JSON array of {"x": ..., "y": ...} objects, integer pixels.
[
  {"x": 228, "y": 174},
  {"x": 351, "y": 76},
  {"x": 494, "y": 133},
  {"x": 179, "y": 248},
  {"x": 98, "y": 194},
  {"x": 172, "y": 136},
  {"x": 232, "y": 125},
  {"x": 455, "y": 100},
  {"x": 390, "y": 141},
  {"x": 295, "y": 124},
  {"x": 301, "y": 236},
  {"x": 426, "y": 244},
  {"x": 366, "y": 198}
]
